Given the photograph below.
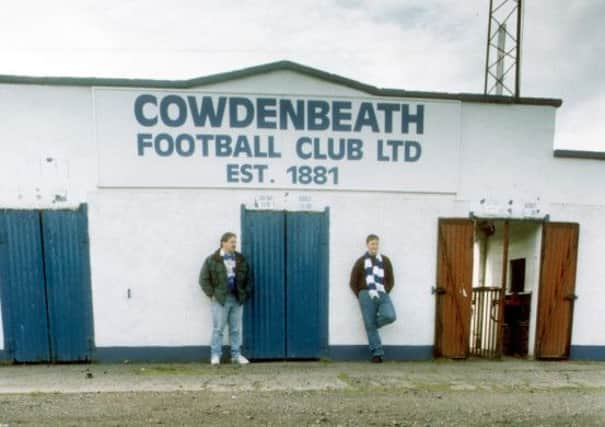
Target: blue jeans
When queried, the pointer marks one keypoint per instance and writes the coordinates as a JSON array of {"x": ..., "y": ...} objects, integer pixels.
[
  {"x": 376, "y": 314},
  {"x": 230, "y": 313}
]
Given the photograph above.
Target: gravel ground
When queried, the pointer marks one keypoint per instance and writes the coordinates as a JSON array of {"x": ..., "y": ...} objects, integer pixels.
[{"x": 436, "y": 393}]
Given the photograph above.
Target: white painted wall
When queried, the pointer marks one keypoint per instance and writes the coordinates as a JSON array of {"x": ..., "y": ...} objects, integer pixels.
[
  {"x": 506, "y": 152},
  {"x": 154, "y": 241},
  {"x": 507, "y": 155},
  {"x": 589, "y": 308},
  {"x": 48, "y": 154}
]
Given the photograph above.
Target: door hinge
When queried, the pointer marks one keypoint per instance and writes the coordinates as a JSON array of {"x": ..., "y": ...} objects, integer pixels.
[
  {"x": 571, "y": 297},
  {"x": 439, "y": 290}
]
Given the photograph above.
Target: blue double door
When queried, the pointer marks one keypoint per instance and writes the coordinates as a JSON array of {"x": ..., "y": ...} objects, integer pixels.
[
  {"x": 45, "y": 285},
  {"x": 287, "y": 315}
]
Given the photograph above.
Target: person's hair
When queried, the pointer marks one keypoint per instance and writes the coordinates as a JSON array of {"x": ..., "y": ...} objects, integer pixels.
[
  {"x": 227, "y": 236},
  {"x": 371, "y": 237}
]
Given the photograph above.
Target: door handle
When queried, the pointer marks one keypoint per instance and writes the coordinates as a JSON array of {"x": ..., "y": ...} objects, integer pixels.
[
  {"x": 570, "y": 297},
  {"x": 439, "y": 290}
]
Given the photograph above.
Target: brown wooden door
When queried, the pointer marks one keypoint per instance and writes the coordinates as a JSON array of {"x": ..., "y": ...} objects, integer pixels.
[
  {"x": 454, "y": 289},
  {"x": 557, "y": 286}
]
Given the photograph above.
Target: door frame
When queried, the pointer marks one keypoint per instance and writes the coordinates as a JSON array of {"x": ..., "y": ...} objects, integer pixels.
[
  {"x": 323, "y": 285},
  {"x": 539, "y": 290}
]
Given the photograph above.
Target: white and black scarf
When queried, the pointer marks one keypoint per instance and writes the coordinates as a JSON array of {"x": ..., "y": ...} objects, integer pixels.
[{"x": 374, "y": 272}]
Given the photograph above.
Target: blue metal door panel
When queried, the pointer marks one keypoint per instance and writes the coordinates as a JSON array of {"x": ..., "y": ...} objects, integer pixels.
[
  {"x": 22, "y": 286},
  {"x": 324, "y": 283},
  {"x": 264, "y": 314},
  {"x": 306, "y": 284},
  {"x": 66, "y": 255}
]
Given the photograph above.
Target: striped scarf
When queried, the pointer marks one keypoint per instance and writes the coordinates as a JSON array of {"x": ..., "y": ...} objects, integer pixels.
[{"x": 374, "y": 272}]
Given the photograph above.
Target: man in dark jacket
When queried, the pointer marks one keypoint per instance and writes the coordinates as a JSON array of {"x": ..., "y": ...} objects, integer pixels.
[
  {"x": 227, "y": 279},
  {"x": 372, "y": 280}
]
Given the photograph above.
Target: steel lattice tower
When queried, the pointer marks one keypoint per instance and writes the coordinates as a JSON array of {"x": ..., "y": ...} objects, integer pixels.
[{"x": 503, "y": 53}]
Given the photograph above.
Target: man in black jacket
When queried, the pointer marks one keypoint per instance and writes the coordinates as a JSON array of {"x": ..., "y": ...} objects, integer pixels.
[
  {"x": 227, "y": 279},
  {"x": 372, "y": 280}
]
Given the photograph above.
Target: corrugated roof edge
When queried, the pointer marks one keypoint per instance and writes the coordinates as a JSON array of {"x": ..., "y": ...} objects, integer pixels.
[
  {"x": 268, "y": 68},
  {"x": 579, "y": 154}
]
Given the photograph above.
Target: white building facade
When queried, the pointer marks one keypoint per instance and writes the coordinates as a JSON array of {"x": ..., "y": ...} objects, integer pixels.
[{"x": 114, "y": 192}]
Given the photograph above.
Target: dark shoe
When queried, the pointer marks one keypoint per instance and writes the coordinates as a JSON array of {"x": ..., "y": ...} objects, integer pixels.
[{"x": 376, "y": 359}]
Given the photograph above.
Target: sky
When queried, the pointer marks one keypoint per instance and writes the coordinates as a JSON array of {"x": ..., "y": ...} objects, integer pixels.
[{"x": 417, "y": 45}]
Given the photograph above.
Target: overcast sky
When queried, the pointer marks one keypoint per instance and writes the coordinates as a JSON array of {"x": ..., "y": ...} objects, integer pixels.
[{"x": 428, "y": 45}]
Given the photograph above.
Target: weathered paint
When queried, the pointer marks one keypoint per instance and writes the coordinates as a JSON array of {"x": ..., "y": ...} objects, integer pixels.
[
  {"x": 557, "y": 290},
  {"x": 264, "y": 246},
  {"x": 65, "y": 237},
  {"x": 307, "y": 284},
  {"x": 453, "y": 288},
  {"x": 287, "y": 314},
  {"x": 22, "y": 287}
]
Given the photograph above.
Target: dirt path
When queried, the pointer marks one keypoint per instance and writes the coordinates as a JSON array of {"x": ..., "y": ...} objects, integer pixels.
[{"x": 425, "y": 393}]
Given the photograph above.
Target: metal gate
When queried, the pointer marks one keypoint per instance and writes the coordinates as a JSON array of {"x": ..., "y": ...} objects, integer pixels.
[
  {"x": 485, "y": 324},
  {"x": 287, "y": 316},
  {"x": 45, "y": 285}
]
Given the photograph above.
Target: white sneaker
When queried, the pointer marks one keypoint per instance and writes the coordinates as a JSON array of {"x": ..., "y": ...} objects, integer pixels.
[
  {"x": 215, "y": 360},
  {"x": 240, "y": 360}
]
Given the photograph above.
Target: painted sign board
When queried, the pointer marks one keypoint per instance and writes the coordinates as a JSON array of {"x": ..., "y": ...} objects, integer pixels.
[{"x": 155, "y": 138}]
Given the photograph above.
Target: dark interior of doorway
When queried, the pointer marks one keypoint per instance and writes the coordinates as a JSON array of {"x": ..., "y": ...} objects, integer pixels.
[
  {"x": 517, "y": 305},
  {"x": 500, "y": 319}
]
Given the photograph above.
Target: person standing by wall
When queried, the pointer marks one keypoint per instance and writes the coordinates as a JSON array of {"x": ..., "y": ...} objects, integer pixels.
[
  {"x": 371, "y": 281},
  {"x": 226, "y": 278}
]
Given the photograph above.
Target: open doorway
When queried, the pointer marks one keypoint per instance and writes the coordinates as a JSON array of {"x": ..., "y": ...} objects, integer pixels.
[
  {"x": 506, "y": 276},
  {"x": 473, "y": 287}
]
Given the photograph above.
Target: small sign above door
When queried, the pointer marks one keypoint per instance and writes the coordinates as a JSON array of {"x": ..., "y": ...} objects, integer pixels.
[
  {"x": 264, "y": 201},
  {"x": 508, "y": 208}
]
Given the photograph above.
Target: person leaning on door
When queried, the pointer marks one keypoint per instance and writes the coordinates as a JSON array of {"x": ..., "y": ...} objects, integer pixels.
[
  {"x": 371, "y": 281},
  {"x": 226, "y": 278}
]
